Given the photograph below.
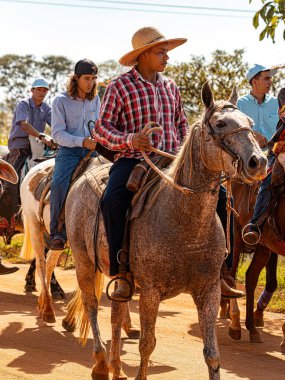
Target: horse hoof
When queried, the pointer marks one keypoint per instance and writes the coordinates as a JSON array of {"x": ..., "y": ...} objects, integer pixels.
[
  {"x": 133, "y": 333},
  {"x": 48, "y": 318},
  {"x": 29, "y": 288},
  {"x": 68, "y": 326},
  {"x": 234, "y": 334},
  {"x": 99, "y": 376},
  {"x": 58, "y": 296},
  {"x": 121, "y": 376},
  {"x": 255, "y": 338}
]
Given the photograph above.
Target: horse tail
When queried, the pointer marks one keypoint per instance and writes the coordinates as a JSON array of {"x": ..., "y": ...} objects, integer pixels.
[
  {"x": 76, "y": 314},
  {"x": 27, "y": 252}
]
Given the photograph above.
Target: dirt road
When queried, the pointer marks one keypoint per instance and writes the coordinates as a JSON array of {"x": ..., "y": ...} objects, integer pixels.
[{"x": 31, "y": 349}]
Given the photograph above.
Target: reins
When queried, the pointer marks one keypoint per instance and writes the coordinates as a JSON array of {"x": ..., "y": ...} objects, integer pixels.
[{"x": 218, "y": 139}]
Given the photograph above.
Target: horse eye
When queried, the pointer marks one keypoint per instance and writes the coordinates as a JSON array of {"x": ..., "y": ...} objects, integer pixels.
[{"x": 221, "y": 124}]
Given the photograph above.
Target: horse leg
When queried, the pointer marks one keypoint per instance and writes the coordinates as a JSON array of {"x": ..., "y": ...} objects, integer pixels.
[
  {"x": 44, "y": 302},
  {"x": 148, "y": 306},
  {"x": 129, "y": 327},
  {"x": 118, "y": 312},
  {"x": 270, "y": 287},
  {"x": 207, "y": 302},
  {"x": 30, "y": 285},
  {"x": 56, "y": 290},
  {"x": 86, "y": 278},
  {"x": 235, "y": 326},
  {"x": 282, "y": 345},
  {"x": 224, "y": 309},
  {"x": 51, "y": 262},
  {"x": 258, "y": 262}
]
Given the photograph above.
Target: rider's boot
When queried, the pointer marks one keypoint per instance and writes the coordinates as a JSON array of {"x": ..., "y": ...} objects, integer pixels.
[
  {"x": 6, "y": 270},
  {"x": 123, "y": 289},
  {"x": 228, "y": 292}
]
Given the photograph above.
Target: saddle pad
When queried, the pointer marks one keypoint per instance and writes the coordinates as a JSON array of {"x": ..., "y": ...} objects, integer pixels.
[
  {"x": 97, "y": 177},
  {"x": 145, "y": 197},
  {"x": 39, "y": 182}
]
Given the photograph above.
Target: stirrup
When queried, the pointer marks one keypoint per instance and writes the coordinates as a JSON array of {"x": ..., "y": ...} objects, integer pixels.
[
  {"x": 129, "y": 284},
  {"x": 251, "y": 227}
]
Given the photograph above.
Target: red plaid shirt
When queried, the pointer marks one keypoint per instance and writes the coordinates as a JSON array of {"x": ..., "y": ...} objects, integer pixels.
[{"x": 129, "y": 103}]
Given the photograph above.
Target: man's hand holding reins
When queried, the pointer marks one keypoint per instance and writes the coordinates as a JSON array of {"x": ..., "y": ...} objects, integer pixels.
[
  {"x": 89, "y": 143},
  {"x": 140, "y": 141}
]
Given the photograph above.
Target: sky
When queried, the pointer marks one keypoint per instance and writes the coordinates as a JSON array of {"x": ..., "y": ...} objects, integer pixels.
[{"x": 102, "y": 30}]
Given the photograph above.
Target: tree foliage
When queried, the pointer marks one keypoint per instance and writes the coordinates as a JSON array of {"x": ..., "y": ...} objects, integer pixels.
[
  {"x": 273, "y": 14},
  {"x": 17, "y": 73},
  {"x": 223, "y": 71}
]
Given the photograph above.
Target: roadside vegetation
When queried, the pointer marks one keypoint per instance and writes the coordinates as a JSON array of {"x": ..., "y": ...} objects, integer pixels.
[{"x": 11, "y": 253}]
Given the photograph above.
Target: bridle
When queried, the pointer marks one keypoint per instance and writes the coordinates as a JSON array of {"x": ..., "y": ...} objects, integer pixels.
[{"x": 218, "y": 139}]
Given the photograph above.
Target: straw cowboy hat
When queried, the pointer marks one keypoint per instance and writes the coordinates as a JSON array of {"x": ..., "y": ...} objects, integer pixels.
[
  {"x": 146, "y": 38},
  {"x": 7, "y": 172}
]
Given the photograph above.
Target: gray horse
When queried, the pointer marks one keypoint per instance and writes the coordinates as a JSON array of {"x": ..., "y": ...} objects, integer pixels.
[{"x": 177, "y": 244}]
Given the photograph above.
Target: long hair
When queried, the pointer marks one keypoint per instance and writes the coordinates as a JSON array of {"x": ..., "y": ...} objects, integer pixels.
[{"x": 72, "y": 89}]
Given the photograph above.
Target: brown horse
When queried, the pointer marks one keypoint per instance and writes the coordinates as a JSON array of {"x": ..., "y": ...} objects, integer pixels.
[
  {"x": 272, "y": 241},
  {"x": 177, "y": 244}
]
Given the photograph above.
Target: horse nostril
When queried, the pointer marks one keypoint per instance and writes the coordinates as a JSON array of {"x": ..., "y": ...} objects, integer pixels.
[{"x": 253, "y": 163}]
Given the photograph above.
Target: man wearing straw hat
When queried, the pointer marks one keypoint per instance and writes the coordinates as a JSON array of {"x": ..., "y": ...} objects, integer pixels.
[{"x": 131, "y": 101}]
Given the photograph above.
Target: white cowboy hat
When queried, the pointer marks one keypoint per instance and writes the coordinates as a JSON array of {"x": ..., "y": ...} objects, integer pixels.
[
  {"x": 7, "y": 172},
  {"x": 144, "y": 39}
]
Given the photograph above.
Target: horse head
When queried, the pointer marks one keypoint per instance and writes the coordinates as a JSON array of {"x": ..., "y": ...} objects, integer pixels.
[{"x": 227, "y": 141}]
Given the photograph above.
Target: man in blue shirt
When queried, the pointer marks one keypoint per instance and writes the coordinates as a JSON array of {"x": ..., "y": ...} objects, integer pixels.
[
  {"x": 263, "y": 109},
  {"x": 71, "y": 112},
  {"x": 30, "y": 118}
]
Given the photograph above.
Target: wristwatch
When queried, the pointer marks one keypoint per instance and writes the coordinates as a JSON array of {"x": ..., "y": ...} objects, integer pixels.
[{"x": 41, "y": 136}]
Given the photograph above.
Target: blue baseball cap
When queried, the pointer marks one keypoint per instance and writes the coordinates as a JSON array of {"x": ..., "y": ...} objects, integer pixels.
[
  {"x": 256, "y": 69},
  {"x": 40, "y": 82}
]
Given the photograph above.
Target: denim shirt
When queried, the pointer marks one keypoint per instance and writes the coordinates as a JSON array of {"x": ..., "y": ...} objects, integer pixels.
[
  {"x": 26, "y": 109},
  {"x": 70, "y": 117},
  {"x": 265, "y": 115}
]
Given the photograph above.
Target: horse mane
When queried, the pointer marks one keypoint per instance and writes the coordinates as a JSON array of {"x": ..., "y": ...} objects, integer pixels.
[{"x": 185, "y": 151}]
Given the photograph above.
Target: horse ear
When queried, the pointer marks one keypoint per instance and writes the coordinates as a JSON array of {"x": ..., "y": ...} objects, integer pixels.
[
  {"x": 234, "y": 96},
  {"x": 207, "y": 95}
]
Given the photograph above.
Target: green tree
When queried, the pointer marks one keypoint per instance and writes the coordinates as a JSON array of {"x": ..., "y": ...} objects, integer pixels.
[
  {"x": 16, "y": 72},
  {"x": 223, "y": 72},
  {"x": 273, "y": 14},
  {"x": 55, "y": 69},
  {"x": 106, "y": 72}
]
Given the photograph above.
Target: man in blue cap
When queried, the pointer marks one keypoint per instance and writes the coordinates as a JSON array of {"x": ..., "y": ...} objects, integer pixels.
[
  {"x": 263, "y": 109},
  {"x": 30, "y": 118},
  {"x": 259, "y": 105}
]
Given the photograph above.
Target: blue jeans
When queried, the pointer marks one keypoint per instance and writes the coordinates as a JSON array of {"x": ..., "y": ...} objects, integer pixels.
[
  {"x": 65, "y": 163},
  {"x": 114, "y": 205},
  {"x": 264, "y": 195}
]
